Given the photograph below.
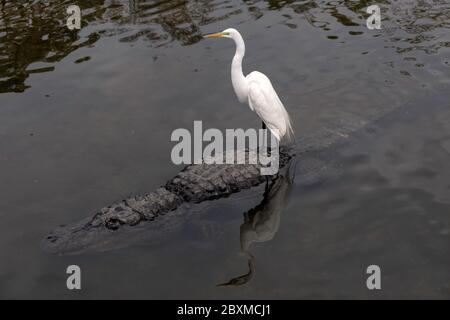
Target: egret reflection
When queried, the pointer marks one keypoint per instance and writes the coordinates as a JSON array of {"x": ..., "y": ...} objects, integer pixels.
[{"x": 262, "y": 222}]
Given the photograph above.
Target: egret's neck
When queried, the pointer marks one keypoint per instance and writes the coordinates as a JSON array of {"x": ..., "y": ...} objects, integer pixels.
[{"x": 237, "y": 76}]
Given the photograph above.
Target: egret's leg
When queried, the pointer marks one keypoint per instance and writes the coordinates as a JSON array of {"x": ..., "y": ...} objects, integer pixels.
[
  {"x": 264, "y": 128},
  {"x": 265, "y": 141},
  {"x": 268, "y": 153},
  {"x": 265, "y": 138}
]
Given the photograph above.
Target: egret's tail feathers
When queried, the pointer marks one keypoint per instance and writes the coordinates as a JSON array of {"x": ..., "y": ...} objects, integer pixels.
[
  {"x": 289, "y": 131},
  {"x": 276, "y": 134}
]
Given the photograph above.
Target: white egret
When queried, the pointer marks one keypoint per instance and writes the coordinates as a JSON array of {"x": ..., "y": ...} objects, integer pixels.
[{"x": 257, "y": 90}]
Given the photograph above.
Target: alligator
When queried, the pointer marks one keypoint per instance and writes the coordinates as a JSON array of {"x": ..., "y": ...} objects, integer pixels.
[
  {"x": 194, "y": 184},
  {"x": 200, "y": 183}
]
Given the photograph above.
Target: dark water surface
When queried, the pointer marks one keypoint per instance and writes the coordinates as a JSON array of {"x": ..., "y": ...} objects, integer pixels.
[{"x": 86, "y": 118}]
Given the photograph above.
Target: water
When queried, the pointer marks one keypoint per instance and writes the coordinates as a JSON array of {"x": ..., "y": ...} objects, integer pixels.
[{"x": 86, "y": 117}]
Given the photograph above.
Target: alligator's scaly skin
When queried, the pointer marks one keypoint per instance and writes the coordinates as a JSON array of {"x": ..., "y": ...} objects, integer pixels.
[{"x": 194, "y": 184}]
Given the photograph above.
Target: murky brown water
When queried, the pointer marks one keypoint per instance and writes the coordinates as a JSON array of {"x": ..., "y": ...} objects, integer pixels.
[{"x": 86, "y": 118}]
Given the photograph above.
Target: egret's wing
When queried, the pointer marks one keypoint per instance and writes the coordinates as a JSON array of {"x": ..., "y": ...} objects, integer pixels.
[
  {"x": 263, "y": 108},
  {"x": 265, "y": 102}
]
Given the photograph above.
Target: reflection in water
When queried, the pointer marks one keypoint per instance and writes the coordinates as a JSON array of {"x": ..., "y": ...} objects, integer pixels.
[
  {"x": 34, "y": 31},
  {"x": 29, "y": 32},
  {"x": 262, "y": 222}
]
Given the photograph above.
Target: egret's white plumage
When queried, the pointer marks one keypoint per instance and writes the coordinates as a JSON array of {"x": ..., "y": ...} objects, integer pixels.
[{"x": 256, "y": 90}]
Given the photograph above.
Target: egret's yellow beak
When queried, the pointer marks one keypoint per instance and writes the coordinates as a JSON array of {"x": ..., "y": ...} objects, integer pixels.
[{"x": 214, "y": 35}]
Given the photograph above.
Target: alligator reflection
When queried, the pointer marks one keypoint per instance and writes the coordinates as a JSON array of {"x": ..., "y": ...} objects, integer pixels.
[{"x": 262, "y": 222}]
